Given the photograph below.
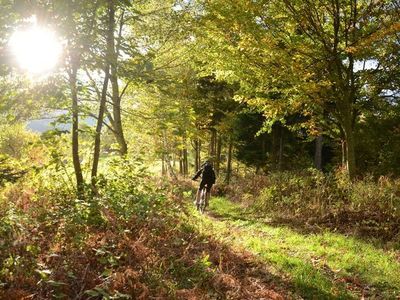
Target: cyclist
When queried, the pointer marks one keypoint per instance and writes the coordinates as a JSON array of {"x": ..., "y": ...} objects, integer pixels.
[{"x": 207, "y": 179}]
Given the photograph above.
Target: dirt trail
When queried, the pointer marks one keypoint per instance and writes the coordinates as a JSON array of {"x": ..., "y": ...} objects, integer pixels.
[{"x": 241, "y": 274}]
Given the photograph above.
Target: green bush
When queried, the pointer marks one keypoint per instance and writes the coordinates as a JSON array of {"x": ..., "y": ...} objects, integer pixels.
[
  {"x": 295, "y": 193},
  {"x": 313, "y": 192},
  {"x": 377, "y": 196},
  {"x": 128, "y": 189},
  {"x": 10, "y": 170}
]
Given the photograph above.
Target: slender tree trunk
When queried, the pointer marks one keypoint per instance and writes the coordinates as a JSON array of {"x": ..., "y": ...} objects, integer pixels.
[
  {"x": 199, "y": 156},
  {"x": 185, "y": 162},
  {"x": 99, "y": 125},
  {"x": 196, "y": 156},
  {"x": 116, "y": 99},
  {"x": 350, "y": 151},
  {"x": 181, "y": 172},
  {"x": 344, "y": 156},
  {"x": 103, "y": 100},
  {"x": 169, "y": 166},
  {"x": 75, "y": 133},
  {"x": 229, "y": 162},
  {"x": 351, "y": 117},
  {"x": 184, "y": 156},
  {"x": 347, "y": 130},
  {"x": 218, "y": 154},
  {"x": 212, "y": 150},
  {"x": 348, "y": 119},
  {"x": 351, "y": 156},
  {"x": 318, "y": 152}
]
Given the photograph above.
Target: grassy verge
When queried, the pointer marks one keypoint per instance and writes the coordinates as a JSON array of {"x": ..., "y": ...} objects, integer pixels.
[{"x": 320, "y": 266}]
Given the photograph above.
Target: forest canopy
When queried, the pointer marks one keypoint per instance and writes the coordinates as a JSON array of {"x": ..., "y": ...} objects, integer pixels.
[{"x": 315, "y": 84}]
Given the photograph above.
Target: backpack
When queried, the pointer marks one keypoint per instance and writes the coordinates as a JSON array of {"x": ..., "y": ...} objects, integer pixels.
[{"x": 208, "y": 174}]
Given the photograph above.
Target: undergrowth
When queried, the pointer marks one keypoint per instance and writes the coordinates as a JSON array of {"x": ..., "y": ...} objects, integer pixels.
[
  {"x": 136, "y": 239},
  {"x": 140, "y": 237}
]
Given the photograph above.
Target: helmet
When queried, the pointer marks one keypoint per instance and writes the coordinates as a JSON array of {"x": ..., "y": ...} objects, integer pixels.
[{"x": 208, "y": 162}]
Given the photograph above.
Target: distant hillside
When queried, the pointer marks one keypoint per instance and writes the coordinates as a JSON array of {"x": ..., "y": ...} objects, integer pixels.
[
  {"x": 40, "y": 125},
  {"x": 44, "y": 124}
]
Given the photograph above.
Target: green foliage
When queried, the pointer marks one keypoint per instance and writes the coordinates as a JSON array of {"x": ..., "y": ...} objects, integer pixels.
[
  {"x": 16, "y": 141},
  {"x": 10, "y": 170},
  {"x": 127, "y": 189},
  {"x": 301, "y": 58},
  {"x": 376, "y": 153},
  {"x": 20, "y": 152}
]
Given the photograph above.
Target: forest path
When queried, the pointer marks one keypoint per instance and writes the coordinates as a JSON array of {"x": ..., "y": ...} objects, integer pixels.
[{"x": 323, "y": 265}]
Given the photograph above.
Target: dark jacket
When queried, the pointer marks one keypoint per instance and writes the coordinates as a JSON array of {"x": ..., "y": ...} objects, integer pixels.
[{"x": 208, "y": 174}]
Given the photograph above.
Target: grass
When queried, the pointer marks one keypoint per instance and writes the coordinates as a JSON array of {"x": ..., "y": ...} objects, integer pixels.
[{"x": 320, "y": 266}]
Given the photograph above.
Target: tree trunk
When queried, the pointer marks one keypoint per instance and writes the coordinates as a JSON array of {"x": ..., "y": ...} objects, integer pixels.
[
  {"x": 99, "y": 125},
  {"x": 350, "y": 151},
  {"x": 75, "y": 133},
  {"x": 196, "y": 156},
  {"x": 103, "y": 100},
  {"x": 169, "y": 166},
  {"x": 212, "y": 149},
  {"x": 229, "y": 162},
  {"x": 184, "y": 155},
  {"x": 185, "y": 162},
  {"x": 318, "y": 152},
  {"x": 199, "y": 155},
  {"x": 351, "y": 116},
  {"x": 218, "y": 154},
  {"x": 181, "y": 172},
  {"x": 343, "y": 147},
  {"x": 116, "y": 99},
  {"x": 348, "y": 115}
]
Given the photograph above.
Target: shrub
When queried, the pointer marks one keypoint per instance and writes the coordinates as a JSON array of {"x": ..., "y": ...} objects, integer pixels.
[
  {"x": 10, "y": 170},
  {"x": 314, "y": 193},
  {"x": 295, "y": 193},
  {"x": 128, "y": 189},
  {"x": 376, "y": 196}
]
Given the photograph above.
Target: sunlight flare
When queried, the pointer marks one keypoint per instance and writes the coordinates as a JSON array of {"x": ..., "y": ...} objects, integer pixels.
[{"x": 36, "y": 49}]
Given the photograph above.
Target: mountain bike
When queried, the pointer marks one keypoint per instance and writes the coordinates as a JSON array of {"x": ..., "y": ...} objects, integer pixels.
[{"x": 201, "y": 204}]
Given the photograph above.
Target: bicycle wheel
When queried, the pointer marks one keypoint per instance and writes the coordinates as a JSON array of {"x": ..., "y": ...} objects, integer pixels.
[{"x": 202, "y": 203}]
